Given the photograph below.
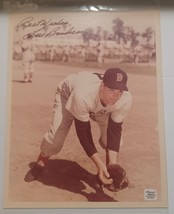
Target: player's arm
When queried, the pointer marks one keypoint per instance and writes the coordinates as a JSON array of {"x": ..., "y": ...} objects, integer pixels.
[
  {"x": 76, "y": 104},
  {"x": 115, "y": 128},
  {"x": 79, "y": 109},
  {"x": 113, "y": 140},
  {"x": 114, "y": 135},
  {"x": 83, "y": 130}
]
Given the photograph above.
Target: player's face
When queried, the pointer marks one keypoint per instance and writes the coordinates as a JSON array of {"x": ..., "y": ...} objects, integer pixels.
[{"x": 109, "y": 96}]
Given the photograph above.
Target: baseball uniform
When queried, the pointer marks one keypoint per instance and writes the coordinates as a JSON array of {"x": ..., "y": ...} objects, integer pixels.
[
  {"x": 28, "y": 57},
  {"x": 77, "y": 98}
]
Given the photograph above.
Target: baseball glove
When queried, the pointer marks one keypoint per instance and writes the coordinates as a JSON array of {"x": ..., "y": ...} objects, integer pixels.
[{"x": 118, "y": 175}]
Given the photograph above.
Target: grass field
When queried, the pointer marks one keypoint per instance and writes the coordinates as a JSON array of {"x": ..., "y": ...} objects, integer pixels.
[{"x": 70, "y": 175}]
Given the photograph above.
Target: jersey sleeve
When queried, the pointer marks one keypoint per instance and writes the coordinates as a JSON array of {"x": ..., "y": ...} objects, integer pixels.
[
  {"x": 77, "y": 105},
  {"x": 83, "y": 130},
  {"x": 115, "y": 122},
  {"x": 113, "y": 135},
  {"x": 123, "y": 108}
]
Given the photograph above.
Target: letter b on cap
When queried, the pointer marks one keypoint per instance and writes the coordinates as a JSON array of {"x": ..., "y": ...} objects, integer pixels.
[{"x": 119, "y": 77}]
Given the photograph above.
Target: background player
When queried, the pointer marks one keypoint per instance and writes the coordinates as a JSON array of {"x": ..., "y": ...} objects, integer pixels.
[{"x": 28, "y": 58}]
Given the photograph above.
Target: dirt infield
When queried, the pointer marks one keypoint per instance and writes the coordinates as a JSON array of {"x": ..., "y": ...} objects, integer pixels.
[{"x": 70, "y": 175}]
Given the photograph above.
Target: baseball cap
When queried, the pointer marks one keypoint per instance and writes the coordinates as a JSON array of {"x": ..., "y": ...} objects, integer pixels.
[{"x": 115, "y": 78}]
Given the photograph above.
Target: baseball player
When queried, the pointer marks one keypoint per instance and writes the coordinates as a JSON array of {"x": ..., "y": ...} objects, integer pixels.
[
  {"x": 28, "y": 58},
  {"x": 81, "y": 97},
  {"x": 101, "y": 51}
]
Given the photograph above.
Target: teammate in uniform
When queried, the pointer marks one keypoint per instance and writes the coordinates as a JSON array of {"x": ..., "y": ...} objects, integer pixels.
[
  {"x": 79, "y": 98},
  {"x": 28, "y": 58}
]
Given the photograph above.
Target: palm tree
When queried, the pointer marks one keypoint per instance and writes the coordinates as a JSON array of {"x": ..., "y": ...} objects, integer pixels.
[
  {"x": 87, "y": 35},
  {"x": 98, "y": 34},
  {"x": 148, "y": 34},
  {"x": 118, "y": 29},
  {"x": 132, "y": 36}
]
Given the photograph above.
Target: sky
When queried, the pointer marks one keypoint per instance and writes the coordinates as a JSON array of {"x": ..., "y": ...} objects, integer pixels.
[{"x": 139, "y": 20}]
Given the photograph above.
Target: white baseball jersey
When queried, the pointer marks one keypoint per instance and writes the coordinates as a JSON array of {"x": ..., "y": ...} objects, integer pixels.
[
  {"x": 83, "y": 101},
  {"x": 27, "y": 51}
]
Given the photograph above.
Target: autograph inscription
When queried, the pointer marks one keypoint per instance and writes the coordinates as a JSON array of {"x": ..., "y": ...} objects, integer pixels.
[{"x": 46, "y": 28}]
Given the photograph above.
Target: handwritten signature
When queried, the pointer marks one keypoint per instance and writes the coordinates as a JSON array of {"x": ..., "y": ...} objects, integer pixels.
[{"x": 46, "y": 28}]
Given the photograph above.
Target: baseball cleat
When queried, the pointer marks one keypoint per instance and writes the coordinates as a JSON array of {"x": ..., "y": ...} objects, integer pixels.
[{"x": 34, "y": 173}]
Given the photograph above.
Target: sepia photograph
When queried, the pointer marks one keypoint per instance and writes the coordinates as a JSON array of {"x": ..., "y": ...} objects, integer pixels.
[{"x": 85, "y": 111}]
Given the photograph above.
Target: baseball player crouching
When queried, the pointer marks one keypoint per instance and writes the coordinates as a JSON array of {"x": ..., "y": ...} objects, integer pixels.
[{"x": 79, "y": 98}]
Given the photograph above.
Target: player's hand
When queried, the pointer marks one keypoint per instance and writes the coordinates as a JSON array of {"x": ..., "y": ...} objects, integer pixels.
[{"x": 104, "y": 176}]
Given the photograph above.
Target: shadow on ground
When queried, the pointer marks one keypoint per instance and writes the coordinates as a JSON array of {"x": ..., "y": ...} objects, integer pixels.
[
  {"x": 70, "y": 176},
  {"x": 19, "y": 81}
]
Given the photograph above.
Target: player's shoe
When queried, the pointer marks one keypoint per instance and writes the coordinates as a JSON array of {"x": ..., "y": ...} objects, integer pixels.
[{"x": 34, "y": 173}]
